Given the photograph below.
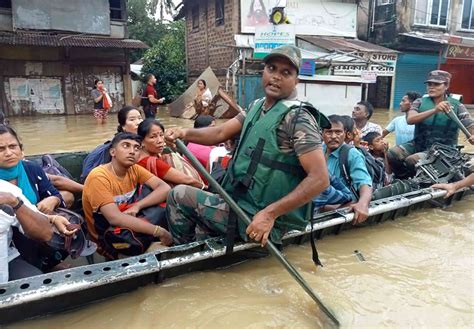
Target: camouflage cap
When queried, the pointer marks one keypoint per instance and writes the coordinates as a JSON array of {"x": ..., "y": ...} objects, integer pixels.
[
  {"x": 439, "y": 76},
  {"x": 290, "y": 52}
]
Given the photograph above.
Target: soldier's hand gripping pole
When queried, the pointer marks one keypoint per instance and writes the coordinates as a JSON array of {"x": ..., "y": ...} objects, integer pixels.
[{"x": 270, "y": 246}]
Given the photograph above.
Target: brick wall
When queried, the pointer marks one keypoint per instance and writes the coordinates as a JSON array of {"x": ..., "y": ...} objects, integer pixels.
[{"x": 205, "y": 44}]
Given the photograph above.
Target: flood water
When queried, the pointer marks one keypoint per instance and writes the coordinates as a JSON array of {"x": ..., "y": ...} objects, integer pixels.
[{"x": 418, "y": 271}]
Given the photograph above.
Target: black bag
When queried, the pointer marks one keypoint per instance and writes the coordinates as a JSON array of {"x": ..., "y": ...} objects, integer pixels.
[
  {"x": 375, "y": 167},
  {"x": 47, "y": 255},
  {"x": 127, "y": 242},
  {"x": 144, "y": 100},
  {"x": 73, "y": 244},
  {"x": 52, "y": 167}
]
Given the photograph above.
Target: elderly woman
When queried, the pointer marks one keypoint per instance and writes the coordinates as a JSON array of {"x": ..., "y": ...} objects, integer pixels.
[
  {"x": 151, "y": 157},
  {"x": 36, "y": 188}
]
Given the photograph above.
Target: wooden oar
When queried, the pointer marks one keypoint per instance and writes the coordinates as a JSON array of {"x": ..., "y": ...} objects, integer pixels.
[{"x": 243, "y": 216}]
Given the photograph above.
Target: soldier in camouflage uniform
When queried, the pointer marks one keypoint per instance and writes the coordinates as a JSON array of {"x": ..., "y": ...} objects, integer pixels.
[
  {"x": 275, "y": 199},
  {"x": 432, "y": 125}
]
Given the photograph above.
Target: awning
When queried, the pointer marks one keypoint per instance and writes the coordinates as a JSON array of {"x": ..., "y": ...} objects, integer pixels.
[
  {"x": 444, "y": 38},
  {"x": 67, "y": 40},
  {"x": 333, "y": 44}
]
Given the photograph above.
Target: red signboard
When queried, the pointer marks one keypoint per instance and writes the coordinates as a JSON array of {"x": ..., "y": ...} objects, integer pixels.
[{"x": 460, "y": 52}]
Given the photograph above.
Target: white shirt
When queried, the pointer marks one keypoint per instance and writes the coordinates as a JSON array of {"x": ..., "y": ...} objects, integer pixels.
[
  {"x": 216, "y": 153},
  {"x": 7, "y": 251},
  {"x": 370, "y": 127}
]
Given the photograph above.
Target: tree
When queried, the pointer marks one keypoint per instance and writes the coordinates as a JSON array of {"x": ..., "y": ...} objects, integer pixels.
[
  {"x": 165, "y": 7},
  {"x": 167, "y": 61}
]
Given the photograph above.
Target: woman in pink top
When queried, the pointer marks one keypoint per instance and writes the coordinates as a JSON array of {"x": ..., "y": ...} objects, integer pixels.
[{"x": 202, "y": 152}]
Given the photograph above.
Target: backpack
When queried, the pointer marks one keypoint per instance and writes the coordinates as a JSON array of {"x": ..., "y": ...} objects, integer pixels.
[
  {"x": 98, "y": 156},
  {"x": 144, "y": 99},
  {"x": 52, "y": 167},
  {"x": 375, "y": 167}
]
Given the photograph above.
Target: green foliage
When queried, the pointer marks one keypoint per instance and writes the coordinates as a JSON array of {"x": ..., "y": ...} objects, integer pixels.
[{"x": 167, "y": 61}]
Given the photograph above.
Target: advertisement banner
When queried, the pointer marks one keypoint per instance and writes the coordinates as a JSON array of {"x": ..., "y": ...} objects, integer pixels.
[
  {"x": 272, "y": 36},
  {"x": 310, "y": 17}
]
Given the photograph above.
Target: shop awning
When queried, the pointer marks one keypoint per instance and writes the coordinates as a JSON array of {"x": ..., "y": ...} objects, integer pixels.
[
  {"x": 335, "y": 44},
  {"x": 67, "y": 40}
]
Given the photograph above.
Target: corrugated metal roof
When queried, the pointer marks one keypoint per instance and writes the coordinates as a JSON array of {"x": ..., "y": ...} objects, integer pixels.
[
  {"x": 346, "y": 45},
  {"x": 67, "y": 40}
]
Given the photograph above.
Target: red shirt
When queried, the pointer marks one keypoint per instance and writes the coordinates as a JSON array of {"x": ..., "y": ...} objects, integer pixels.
[
  {"x": 150, "y": 90},
  {"x": 161, "y": 167}
]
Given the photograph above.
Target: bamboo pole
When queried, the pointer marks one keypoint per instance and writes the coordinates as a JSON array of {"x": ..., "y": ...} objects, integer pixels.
[{"x": 270, "y": 246}]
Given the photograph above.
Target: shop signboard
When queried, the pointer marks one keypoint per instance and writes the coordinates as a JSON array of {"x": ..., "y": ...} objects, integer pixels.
[
  {"x": 380, "y": 63},
  {"x": 460, "y": 52},
  {"x": 272, "y": 36}
]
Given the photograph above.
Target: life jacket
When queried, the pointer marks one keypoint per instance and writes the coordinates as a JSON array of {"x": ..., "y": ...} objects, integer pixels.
[
  {"x": 438, "y": 128},
  {"x": 261, "y": 173}
]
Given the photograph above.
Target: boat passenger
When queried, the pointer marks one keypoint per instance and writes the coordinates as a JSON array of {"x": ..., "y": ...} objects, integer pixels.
[
  {"x": 152, "y": 133},
  {"x": 37, "y": 188},
  {"x": 403, "y": 131},
  {"x": 114, "y": 183},
  {"x": 378, "y": 148},
  {"x": 361, "y": 114},
  {"x": 432, "y": 125},
  {"x": 456, "y": 186},
  {"x": 361, "y": 182},
  {"x": 128, "y": 120},
  {"x": 17, "y": 211},
  {"x": 202, "y": 152},
  {"x": 283, "y": 132}
]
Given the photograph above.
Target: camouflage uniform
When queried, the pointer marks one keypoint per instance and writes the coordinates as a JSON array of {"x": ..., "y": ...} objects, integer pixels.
[
  {"x": 404, "y": 157},
  {"x": 194, "y": 214}
]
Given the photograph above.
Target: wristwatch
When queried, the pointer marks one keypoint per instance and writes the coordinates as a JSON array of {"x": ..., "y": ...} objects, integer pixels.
[{"x": 19, "y": 204}]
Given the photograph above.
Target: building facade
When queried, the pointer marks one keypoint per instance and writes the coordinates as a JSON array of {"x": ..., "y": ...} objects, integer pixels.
[
  {"x": 430, "y": 34},
  {"x": 52, "y": 51},
  {"x": 229, "y": 36}
]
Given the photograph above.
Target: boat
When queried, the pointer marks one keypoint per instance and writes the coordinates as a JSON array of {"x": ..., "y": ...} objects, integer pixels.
[{"x": 72, "y": 288}]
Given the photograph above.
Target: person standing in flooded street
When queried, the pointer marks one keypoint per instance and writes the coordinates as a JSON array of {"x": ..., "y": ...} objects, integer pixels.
[{"x": 98, "y": 94}]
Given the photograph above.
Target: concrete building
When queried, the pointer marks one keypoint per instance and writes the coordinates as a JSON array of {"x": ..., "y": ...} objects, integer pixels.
[
  {"x": 51, "y": 52},
  {"x": 430, "y": 34},
  {"x": 226, "y": 35}
]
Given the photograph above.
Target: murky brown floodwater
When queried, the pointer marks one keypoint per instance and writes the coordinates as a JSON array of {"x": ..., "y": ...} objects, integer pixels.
[{"x": 418, "y": 273}]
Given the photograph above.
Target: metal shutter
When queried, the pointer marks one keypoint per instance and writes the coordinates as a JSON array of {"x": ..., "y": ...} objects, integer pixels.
[{"x": 411, "y": 73}]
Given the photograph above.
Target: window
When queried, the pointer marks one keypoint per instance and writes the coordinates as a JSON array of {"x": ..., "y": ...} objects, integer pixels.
[
  {"x": 195, "y": 16},
  {"x": 117, "y": 10},
  {"x": 5, "y": 4},
  {"x": 431, "y": 12},
  {"x": 468, "y": 15},
  {"x": 219, "y": 12}
]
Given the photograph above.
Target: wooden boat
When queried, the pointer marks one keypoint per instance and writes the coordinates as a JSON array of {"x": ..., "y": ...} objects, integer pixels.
[{"x": 67, "y": 289}]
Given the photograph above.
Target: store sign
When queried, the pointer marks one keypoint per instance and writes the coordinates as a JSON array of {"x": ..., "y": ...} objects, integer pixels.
[
  {"x": 460, "y": 52},
  {"x": 348, "y": 69},
  {"x": 380, "y": 64},
  {"x": 369, "y": 76},
  {"x": 272, "y": 36}
]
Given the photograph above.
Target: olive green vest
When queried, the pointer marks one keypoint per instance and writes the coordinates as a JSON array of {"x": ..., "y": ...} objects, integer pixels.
[
  {"x": 261, "y": 174},
  {"x": 438, "y": 128}
]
